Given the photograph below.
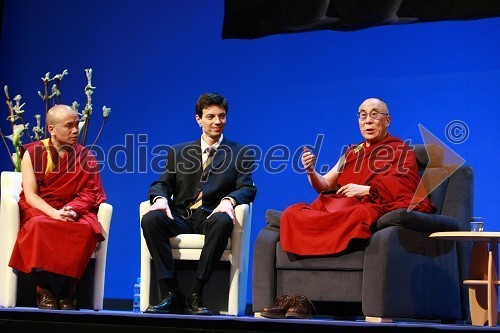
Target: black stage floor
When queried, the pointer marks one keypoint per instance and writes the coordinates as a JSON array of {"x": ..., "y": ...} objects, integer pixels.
[{"x": 28, "y": 319}]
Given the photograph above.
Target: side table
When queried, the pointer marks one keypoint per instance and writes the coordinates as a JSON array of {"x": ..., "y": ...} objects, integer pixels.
[{"x": 483, "y": 273}]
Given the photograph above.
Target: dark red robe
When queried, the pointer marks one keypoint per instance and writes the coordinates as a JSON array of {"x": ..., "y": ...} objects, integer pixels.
[
  {"x": 54, "y": 245},
  {"x": 332, "y": 221}
]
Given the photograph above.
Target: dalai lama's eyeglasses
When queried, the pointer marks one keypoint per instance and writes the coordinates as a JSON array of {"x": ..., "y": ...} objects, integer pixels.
[{"x": 375, "y": 115}]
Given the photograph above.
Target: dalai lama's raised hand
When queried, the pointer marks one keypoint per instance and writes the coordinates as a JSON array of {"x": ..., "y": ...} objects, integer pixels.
[
  {"x": 354, "y": 190},
  {"x": 308, "y": 160},
  {"x": 225, "y": 206},
  {"x": 162, "y": 204}
]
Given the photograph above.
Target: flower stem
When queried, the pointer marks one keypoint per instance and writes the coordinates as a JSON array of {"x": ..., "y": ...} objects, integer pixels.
[{"x": 99, "y": 134}]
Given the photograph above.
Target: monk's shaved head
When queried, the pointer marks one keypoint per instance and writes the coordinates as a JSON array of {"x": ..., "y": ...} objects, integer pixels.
[
  {"x": 58, "y": 112},
  {"x": 62, "y": 124}
]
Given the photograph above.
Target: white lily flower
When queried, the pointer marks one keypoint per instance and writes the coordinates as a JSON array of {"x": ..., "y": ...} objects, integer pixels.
[
  {"x": 55, "y": 91},
  {"x": 16, "y": 161},
  {"x": 16, "y": 135},
  {"x": 88, "y": 110},
  {"x": 60, "y": 76},
  {"x": 81, "y": 122},
  {"x": 18, "y": 109},
  {"x": 105, "y": 111}
]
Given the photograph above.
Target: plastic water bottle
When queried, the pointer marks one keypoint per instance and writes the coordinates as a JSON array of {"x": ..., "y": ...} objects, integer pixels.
[{"x": 136, "y": 307}]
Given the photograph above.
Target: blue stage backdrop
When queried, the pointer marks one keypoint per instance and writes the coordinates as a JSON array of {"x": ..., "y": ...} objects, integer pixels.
[{"x": 151, "y": 60}]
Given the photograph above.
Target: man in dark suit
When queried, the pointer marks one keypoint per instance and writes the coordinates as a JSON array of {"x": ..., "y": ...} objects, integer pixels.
[{"x": 204, "y": 180}]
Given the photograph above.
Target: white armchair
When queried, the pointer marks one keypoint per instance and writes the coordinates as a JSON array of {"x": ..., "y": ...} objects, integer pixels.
[
  {"x": 9, "y": 226},
  {"x": 188, "y": 247}
]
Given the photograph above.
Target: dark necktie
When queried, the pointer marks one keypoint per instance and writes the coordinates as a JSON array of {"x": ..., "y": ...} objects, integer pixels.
[{"x": 211, "y": 152}]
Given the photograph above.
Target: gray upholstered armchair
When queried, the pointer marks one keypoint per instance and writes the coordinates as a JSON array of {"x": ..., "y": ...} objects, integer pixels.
[{"x": 399, "y": 273}]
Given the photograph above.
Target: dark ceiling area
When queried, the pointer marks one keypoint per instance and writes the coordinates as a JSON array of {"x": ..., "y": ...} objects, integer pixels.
[{"x": 249, "y": 19}]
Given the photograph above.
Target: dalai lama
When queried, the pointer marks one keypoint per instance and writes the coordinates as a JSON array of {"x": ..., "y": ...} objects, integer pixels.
[{"x": 372, "y": 178}]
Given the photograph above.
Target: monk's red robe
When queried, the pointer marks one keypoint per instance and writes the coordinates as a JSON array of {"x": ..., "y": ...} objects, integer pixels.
[
  {"x": 332, "y": 221},
  {"x": 54, "y": 245}
]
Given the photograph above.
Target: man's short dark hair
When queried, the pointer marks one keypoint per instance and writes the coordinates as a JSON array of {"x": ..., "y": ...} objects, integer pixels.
[{"x": 209, "y": 99}]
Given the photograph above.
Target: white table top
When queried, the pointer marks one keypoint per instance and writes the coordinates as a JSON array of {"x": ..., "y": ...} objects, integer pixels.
[{"x": 467, "y": 235}]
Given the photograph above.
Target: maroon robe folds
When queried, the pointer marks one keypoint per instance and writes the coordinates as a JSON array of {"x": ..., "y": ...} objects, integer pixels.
[
  {"x": 55, "y": 245},
  {"x": 332, "y": 221}
]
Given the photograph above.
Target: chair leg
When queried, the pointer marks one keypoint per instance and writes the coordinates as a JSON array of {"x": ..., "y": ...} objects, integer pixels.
[
  {"x": 99, "y": 276},
  {"x": 233, "y": 299},
  {"x": 145, "y": 280},
  {"x": 8, "y": 288}
]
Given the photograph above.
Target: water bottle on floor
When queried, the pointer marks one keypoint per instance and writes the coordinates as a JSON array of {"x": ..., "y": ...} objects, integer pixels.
[{"x": 136, "y": 307}]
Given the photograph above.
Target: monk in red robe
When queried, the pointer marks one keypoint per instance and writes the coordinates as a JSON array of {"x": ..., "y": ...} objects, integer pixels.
[
  {"x": 61, "y": 194},
  {"x": 370, "y": 179}
]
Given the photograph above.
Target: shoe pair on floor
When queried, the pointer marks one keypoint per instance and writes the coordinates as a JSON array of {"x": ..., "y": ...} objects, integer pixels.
[
  {"x": 45, "y": 300},
  {"x": 177, "y": 304},
  {"x": 286, "y": 306}
]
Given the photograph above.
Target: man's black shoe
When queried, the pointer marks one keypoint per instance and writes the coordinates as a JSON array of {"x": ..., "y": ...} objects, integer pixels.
[
  {"x": 195, "y": 306},
  {"x": 172, "y": 303}
]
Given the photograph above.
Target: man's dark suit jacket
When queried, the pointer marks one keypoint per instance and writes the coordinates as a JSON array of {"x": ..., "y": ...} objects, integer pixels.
[{"x": 230, "y": 174}]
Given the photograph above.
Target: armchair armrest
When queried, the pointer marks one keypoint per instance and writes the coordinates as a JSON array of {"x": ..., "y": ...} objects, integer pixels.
[
  {"x": 264, "y": 269},
  {"x": 273, "y": 217},
  {"x": 417, "y": 221},
  {"x": 408, "y": 274},
  {"x": 9, "y": 223},
  {"x": 104, "y": 217}
]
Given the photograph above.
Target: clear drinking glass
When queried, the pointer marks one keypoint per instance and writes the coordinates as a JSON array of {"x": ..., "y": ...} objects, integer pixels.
[{"x": 477, "y": 223}]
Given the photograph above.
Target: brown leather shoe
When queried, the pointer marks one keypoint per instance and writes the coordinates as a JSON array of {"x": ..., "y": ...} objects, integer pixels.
[
  {"x": 279, "y": 309},
  {"x": 68, "y": 303},
  {"x": 45, "y": 300},
  {"x": 301, "y": 308}
]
